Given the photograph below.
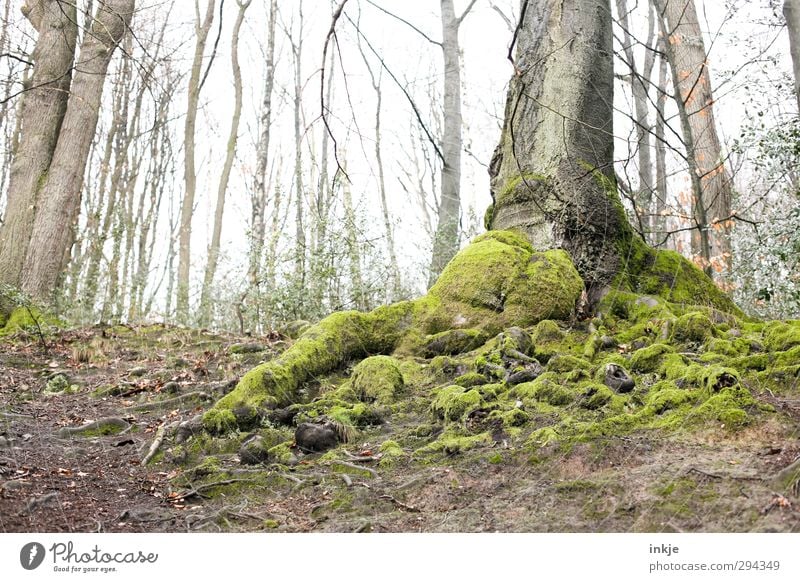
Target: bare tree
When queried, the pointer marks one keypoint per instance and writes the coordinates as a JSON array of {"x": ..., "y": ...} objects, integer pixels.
[
  {"x": 201, "y": 29},
  {"x": 54, "y": 224},
  {"x": 41, "y": 114},
  {"x": 230, "y": 155},
  {"x": 711, "y": 184}
]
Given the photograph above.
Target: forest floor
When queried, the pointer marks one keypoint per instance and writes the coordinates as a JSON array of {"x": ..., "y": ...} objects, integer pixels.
[{"x": 144, "y": 378}]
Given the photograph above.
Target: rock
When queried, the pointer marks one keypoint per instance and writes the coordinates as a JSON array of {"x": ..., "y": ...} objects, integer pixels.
[
  {"x": 137, "y": 371},
  {"x": 253, "y": 451},
  {"x": 377, "y": 379},
  {"x": 316, "y": 438},
  {"x": 618, "y": 379},
  {"x": 283, "y": 416},
  {"x": 522, "y": 338},
  {"x": 735, "y": 333},
  {"x": 647, "y": 300},
  {"x": 246, "y": 348},
  {"x": 188, "y": 428},
  {"x": 525, "y": 373},
  {"x": 607, "y": 342},
  {"x": 4, "y": 443}
]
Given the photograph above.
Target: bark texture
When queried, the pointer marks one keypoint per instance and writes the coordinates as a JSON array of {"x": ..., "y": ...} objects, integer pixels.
[
  {"x": 552, "y": 174},
  {"x": 54, "y": 223},
  {"x": 42, "y": 112},
  {"x": 692, "y": 83},
  {"x": 791, "y": 11}
]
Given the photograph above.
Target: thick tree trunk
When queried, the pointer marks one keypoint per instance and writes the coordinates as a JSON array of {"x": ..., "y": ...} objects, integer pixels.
[
  {"x": 202, "y": 29},
  {"x": 445, "y": 242},
  {"x": 41, "y": 116},
  {"x": 53, "y": 227},
  {"x": 791, "y": 11},
  {"x": 552, "y": 173},
  {"x": 692, "y": 82},
  {"x": 230, "y": 155}
]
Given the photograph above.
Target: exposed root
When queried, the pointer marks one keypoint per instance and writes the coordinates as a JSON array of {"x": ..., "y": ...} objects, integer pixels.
[
  {"x": 172, "y": 403},
  {"x": 162, "y": 432},
  {"x": 112, "y": 425}
]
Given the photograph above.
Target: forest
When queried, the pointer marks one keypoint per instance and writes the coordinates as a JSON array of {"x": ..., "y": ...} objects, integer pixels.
[{"x": 385, "y": 266}]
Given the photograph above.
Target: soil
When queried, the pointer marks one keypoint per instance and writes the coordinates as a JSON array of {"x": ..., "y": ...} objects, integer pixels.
[{"x": 706, "y": 480}]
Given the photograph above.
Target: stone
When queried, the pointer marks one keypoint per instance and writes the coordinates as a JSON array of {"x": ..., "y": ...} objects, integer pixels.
[
  {"x": 618, "y": 379},
  {"x": 316, "y": 437}
]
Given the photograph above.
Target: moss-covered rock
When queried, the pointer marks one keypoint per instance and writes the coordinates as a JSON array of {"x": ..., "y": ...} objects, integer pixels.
[
  {"x": 649, "y": 359},
  {"x": 30, "y": 319},
  {"x": 377, "y": 379},
  {"x": 454, "y": 402},
  {"x": 692, "y": 327}
]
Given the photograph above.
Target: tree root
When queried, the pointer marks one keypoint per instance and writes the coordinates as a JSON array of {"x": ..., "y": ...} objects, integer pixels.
[
  {"x": 171, "y": 403},
  {"x": 112, "y": 425},
  {"x": 372, "y": 472},
  {"x": 14, "y": 416}
]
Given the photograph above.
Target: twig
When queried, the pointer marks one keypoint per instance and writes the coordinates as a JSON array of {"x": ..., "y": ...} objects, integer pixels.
[
  {"x": 197, "y": 490},
  {"x": 160, "y": 434},
  {"x": 400, "y": 504}
]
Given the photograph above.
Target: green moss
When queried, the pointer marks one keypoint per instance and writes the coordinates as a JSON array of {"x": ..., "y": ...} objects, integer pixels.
[
  {"x": 470, "y": 379},
  {"x": 547, "y": 331},
  {"x": 545, "y": 389},
  {"x": 377, "y": 379},
  {"x": 359, "y": 415},
  {"x": 391, "y": 453},
  {"x": 282, "y": 453},
  {"x": 219, "y": 421},
  {"x": 595, "y": 396},
  {"x": 28, "y": 319},
  {"x": 779, "y": 336},
  {"x": 453, "y": 341},
  {"x": 57, "y": 383},
  {"x": 450, "y": 444},
  {"x": 669, "y": 398},
  {"x": 564, "y": 363},
  {"x": 649, "y": 359},
  {"x": 692, "y": 327},
  {"x": 454, "y": 402}
]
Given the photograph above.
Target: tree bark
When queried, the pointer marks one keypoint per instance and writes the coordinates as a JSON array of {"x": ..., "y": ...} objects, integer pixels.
[
  {"x": 54, "y": 224},
  {"x": 791, "y": 11},
  {"x": 692, "y": 84},
  {"x": 230, "y": 155},
  {"x": 42, "y": 112},
  {"x": 446, "y": 239},
  {"x": 202, "y": 29},
  {"x": 299, "y": 227},
  {"x": 552, "y": 173}
]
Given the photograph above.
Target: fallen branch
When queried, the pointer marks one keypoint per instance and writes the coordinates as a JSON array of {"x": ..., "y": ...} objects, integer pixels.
[
  {"x": 400, "y": 504},
  {"x": 14, "y": 416},
  {"x": 162, "y": 431}
]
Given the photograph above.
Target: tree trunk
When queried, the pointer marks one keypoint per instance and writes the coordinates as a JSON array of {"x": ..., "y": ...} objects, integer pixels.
[
  {"x": 259, "y": 198},
  {"x": 660, "y": 226},
  {"x": 640, "y": 81},
  {"x": 299, "y": 227},
  {"x": 53, "y": 227},
  {"x": 692, "y": 83},
  {"x": 41, "y": 116},
  {"x": 230, "y": 155},
  {"x": 552, "y": 173},
  {"x": 189, "y": 173},
  {"x": 791, "y": 11},
  {"x": 445, "y": 241}
]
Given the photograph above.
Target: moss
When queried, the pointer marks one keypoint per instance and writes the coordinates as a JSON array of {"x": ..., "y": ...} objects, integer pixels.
[
  {"x": 453, "y": 341},
  {"x": 595, "y": 396},
  {"x": 547, "y": 331},
  {"x": 779, "y": 336},
  {"x": 470, "y": 379},
  {"x": 693, "y": 327},
  {"x": 29, "y": 319},
  {"x": 391, "y": 454},
  {"x": 669, "y": 398},
  {"x": 498, "y": 282},
  {"x": 282, "y": 453},
  {"x": 649, "y": 359},
  {"x": 451, "y": 444},
  {"x": 219, "y": 421},
  {"x": 454, "y": 402},
  {"x": 359, "y": 415},
  {"x": 377, "y": 379},
  {"x": 515, "y": 417},
  {"x": 545, "y": 389},
  {"x": 564, "y": 363},
  {"x": 57, "y": 384}
]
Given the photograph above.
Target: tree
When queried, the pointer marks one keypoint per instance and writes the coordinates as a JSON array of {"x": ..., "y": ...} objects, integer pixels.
[
  {"x": 43, "y": 107},
  {"x": 711, "y": 183},
  {"x": 552, "y": 179},
  {"x": 791, "y": 11},
  {"x": 54, "y": 225},
  {"x": 230, "y": 154},
  {"x": 201, "y": 29}
]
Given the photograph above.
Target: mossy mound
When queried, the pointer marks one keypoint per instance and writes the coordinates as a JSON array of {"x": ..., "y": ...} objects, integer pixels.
[
  {"x": 494, "y": 283},
  {"x": 28, "y": 319},
  {"x": 377, "y": 379}
]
